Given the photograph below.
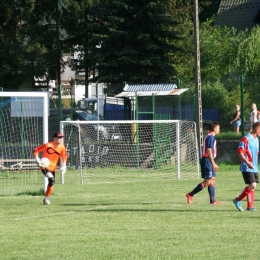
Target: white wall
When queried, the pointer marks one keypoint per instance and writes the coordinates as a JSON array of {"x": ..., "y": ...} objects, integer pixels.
[
  {"x": 79, "y": 91},
  {"x": 67, "y": 71}
]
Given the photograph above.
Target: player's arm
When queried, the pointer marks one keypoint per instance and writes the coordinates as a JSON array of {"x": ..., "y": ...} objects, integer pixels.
[
  {"x": 36, "y": 152},
  {"x": 64, "y": 161},
  {"x": 211, "y": 158},
  {"x": 245, "y": 160},
  {"x": 241, "y": 151},
  {"x": 64, "y": 156}
]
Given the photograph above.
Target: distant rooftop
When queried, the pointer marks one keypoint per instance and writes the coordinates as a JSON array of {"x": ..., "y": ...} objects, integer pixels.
[
  {"x": 241, "y": 14},
  {"x": 151, "y": 89}
]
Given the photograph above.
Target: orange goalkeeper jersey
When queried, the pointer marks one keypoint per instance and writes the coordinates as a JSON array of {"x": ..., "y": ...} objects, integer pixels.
[{"x": 53, "y": 153}]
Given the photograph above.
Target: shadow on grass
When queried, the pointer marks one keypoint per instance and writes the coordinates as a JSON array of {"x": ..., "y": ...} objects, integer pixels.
[
  {"x": 110, "y": 204},
  {"x": 153, "y": 210},
  {"x": 31, "y": 193},
  {"x": 104, "y": 207}
]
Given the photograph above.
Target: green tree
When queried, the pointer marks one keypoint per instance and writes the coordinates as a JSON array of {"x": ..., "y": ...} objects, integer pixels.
[
  {"x": 136, "y": 39},
  {"x": 183, "y": 12},
  {"x": 29, "y": 41},
  {"x": 12, "y": 15},
  {"x": 76, "y": 22},
  {"x": 248, "y": 55},
  {"x": 218, "y": 50},
  {"x": 51, "y": 36}
]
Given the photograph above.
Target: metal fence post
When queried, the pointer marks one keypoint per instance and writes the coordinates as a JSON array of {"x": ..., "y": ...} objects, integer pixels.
[
  {"x": 242, "y": 104},
  {"x": 59, "y": 98}
]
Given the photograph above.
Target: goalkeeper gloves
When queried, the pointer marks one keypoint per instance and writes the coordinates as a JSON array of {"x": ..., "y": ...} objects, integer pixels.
[
  {"x": 38, "y": 161},
  {"x": 63, "y": 168}
]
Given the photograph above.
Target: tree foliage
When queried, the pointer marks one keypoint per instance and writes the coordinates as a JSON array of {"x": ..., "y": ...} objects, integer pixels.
[
  {"x": 30, "y": 40},
  {"x": 11, "y": 46},
  {"x": 248, "y": 54},
  {"x": 141, "y": 41},
  {"x": 218, "y": 50},
  {"x": 77, "y": 25},
  {"x": 136, "y": 38}
]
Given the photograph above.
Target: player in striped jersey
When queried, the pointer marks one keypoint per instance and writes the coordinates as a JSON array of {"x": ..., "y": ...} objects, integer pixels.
[
  {"x": 208, "y": 165},
  {"x": 248, "y": 150}
]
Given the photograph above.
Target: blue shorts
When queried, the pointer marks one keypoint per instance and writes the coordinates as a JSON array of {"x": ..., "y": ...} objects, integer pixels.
[
  {"x": 237, "y": 123},
  {"x": 206, "y": 168}
]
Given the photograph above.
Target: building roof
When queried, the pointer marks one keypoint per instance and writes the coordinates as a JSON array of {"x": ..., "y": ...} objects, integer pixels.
[
  {"x": 241, "y": 14},
  {"x": 151, "y": 89}
]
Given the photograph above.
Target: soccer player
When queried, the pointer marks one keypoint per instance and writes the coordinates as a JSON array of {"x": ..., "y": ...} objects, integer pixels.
[
  {"x": 53, "y": 151},
  {"x": 208, "y": 165},
  {"x": 247, "y": 151}
]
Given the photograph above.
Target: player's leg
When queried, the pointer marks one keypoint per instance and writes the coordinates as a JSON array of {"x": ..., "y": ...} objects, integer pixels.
[
  {"x": 51, "y": 182},
  {"x": 197, "y": 189},
  {"x": 251, "y": 194},
  {"x": 245, "y": 192},
  {"x": 200, "y": 186},
  {"x": 209, "y": 180},
  {"x": 211, "y": 191},
  {"x": 251, "y": 197}
]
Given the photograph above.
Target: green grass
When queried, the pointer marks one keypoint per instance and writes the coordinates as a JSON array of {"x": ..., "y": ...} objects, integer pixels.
[{"x": 138, "y": 220}]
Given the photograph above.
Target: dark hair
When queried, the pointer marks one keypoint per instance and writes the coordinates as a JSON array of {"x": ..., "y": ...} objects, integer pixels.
[
  {"x": 256, "y": 125},
  {"x": 212, "y": 125}
]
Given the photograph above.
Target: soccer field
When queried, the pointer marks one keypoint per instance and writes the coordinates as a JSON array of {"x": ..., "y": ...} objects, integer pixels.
[{"x": 134, "y": 220}]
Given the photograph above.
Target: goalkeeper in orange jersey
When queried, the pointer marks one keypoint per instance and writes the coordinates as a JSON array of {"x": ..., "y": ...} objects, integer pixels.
[{"x": 53, "y": 151}]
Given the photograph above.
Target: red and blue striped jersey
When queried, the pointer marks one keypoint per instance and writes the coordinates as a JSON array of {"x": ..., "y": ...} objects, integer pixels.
[
  {"x": 249, "y": 146},
  {"x": 209, "y": 142}
]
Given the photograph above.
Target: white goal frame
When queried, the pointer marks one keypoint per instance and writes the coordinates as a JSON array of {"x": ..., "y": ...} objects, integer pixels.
[
  {"x": 177, "y": 144},
  {"x": 45, "y": 113}
]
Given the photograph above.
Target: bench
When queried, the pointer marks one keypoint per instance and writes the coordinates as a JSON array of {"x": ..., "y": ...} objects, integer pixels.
[{"x": 18, "y": 164}]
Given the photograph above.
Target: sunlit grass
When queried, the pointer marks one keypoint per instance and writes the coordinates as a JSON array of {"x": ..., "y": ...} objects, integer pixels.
[{"x": 131, "y": 220}]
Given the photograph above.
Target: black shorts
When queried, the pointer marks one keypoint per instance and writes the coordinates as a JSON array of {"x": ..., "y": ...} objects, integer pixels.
[
  {"x": 44, "y": 171},
  {"x": 250, "y": 177}
]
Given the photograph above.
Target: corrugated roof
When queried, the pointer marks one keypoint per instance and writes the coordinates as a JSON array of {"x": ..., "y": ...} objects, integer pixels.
[
  {"x": 151, "y": 89},
  {"x": 241, "y": 14}
]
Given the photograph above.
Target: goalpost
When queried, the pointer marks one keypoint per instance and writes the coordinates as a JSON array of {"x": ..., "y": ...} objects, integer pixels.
[
  {"x": 23, "y": 126},
  {"x": 112, "y": 151}
]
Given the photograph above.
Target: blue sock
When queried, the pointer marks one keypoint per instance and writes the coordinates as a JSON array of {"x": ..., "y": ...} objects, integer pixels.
[
  {"x": 197, "y": 189},
  {"x": 211, "y": 190}
]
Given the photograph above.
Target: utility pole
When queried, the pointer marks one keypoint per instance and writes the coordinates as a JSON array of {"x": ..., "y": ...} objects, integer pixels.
[
  {"x": 199, "y": 124},
  {"x": 57, "y": 24},
  {"x": 86, "y": 49}
]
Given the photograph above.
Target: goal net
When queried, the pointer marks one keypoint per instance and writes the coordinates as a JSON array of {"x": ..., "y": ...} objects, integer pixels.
[
  {"x": 23, "y": 126},
  {"x": 111, "y": 151}
]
